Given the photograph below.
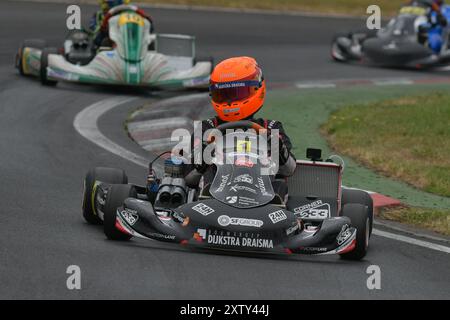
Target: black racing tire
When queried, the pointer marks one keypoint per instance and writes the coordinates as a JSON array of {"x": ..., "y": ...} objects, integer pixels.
[
  {"x": 117, "y": 194},
  {"x": 106, "y": 175},
  {"x": 333, "y": 44},
  {"x": 359, "y": 218},
  {"x": 44, "y": 63},
  {"x": 29, "y": 43},
  {"x": 362, "y": 197}
]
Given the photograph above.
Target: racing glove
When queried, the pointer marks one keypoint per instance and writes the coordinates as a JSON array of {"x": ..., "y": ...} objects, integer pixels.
[{"x": 283, "y": 152}]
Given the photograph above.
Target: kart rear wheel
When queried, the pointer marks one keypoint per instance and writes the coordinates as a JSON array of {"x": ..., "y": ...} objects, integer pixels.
[
  {"x": 44, "y": 65},
  {"x": 29, "y": 43},
  {"x": 106, "y": 175},
  {"x": 359, "y": 196},
  {"x": 117, "y": 194},
  {"x": 360, "y": 220}
]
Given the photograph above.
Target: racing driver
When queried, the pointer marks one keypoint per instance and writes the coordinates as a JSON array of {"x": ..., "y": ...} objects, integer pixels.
[
  {"x": 99, "y": 22},
  {"x": 436, "y": 21},
  {"x": 237, "y": 90}
]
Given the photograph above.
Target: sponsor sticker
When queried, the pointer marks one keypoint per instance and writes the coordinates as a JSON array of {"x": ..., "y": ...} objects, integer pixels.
[
  {"x": 315, "y": 210},
  {"x": 161, "y": 236},
  {"x": 244, "y": 178},
  {"x": 231, "y": 199},
  {"x": 243, "y": 162},
  {"x": 130, "y": 216},
  {"x": 344, "y": 235},
  {"x": 314, "y": 249},
  {"x": 243, "y": 146},
  {"x": 200, "y": 235},
  {"x": 233, "y": 239},
  {"x": 225, "y": 221},
  {"x": 246, "y": 201},
  {"x": 277, "y": 216},
  {"x": 236, "y": 188},
  {"x": 179, "y": 217},
  {"x": 262, "y": 186},
  {"x": 231, "y": 110},
  {"x": 223, "y": 183},
  {"x": 203, "y": 209},
  {"x": 133, "y": 69},
  {"x": 292, "y": 229}
]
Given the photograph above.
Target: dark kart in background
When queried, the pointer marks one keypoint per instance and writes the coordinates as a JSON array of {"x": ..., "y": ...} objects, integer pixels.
[{"x": 401, "y": 43}]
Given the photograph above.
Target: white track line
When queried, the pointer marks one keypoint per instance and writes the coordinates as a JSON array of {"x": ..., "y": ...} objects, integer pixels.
[
  {"x": 86, "y": 125},
  {"x": 409, "y": 240}
]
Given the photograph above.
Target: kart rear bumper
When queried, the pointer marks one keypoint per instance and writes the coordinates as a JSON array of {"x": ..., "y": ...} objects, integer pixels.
[{"x": 107, "y": 68}]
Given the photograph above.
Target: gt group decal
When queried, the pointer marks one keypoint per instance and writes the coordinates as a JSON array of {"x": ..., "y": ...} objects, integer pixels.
[
  {"x": 203, "y": 209},
  {"x": 315, "y": 210},
  {"x": 235, "y": 240},
  {"x": 277, "y": 216},
  {"x": 225, "y": 220}
]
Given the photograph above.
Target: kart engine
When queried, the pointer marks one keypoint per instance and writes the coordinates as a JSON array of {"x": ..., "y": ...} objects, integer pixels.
[{"x": 172, "y": 191}]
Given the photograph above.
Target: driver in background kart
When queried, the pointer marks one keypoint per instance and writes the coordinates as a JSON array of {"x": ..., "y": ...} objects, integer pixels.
[
  {"x": 436, "y": 21},
  {"x": 237, "y": 90},
  {"x": 99, "y": 21}
]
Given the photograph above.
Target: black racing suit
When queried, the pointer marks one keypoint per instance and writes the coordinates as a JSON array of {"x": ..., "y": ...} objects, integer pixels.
[{"x": 287, "y": 162}]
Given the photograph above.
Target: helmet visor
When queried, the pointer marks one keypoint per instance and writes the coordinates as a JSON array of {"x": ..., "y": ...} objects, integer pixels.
[{"x": 233, "y": 91}]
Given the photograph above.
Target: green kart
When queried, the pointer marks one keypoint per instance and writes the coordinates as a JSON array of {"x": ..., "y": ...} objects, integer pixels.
[{"x": 133, "y": 57}]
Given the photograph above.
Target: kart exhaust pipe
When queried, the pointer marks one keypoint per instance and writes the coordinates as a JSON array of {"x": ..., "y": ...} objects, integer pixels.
[
  {"x": 164, "y": 196},
  {"x": 172, "y": 192},
  {"x": 178, "y": 192}
]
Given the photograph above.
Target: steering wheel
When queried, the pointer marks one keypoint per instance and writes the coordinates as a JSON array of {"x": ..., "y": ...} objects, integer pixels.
[{"x": 243, "y": 124}]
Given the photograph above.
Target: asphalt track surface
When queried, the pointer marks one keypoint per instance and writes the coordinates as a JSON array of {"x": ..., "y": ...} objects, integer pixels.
[{"x": 43, "y": 161}]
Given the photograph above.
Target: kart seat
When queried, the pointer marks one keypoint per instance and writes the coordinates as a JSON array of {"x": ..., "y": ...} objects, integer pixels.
[{"x": 204, "y": 193}]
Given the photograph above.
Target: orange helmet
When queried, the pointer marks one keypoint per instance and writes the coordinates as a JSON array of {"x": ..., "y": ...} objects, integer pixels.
[{"x": 237, "y": 88}]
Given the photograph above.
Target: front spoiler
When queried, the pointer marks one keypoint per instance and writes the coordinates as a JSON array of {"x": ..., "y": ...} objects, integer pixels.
[{"x": 166, "y": 229}]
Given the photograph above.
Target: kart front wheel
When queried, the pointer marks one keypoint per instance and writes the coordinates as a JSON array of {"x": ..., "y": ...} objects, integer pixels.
[
  {"x": 44, "y": 64},
  {"x": 359, "y": 196},
  {"x": 336, "y": 51},
  {"x": 99, "y": 174},
  {"x": 359, "y": 218},
  {"x": 117, "y": 194},
  {"x": 29, "y": 43}
]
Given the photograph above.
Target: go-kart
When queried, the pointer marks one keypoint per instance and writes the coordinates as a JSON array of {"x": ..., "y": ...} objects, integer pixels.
[
  {"x": 407, "y": 41},
  {"x": 131, "y": 56},
  {"x": 241, "y": 209}
]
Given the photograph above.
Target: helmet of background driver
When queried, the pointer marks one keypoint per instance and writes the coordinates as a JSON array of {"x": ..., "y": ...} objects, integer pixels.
[{"x": 106, "y": 5}]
